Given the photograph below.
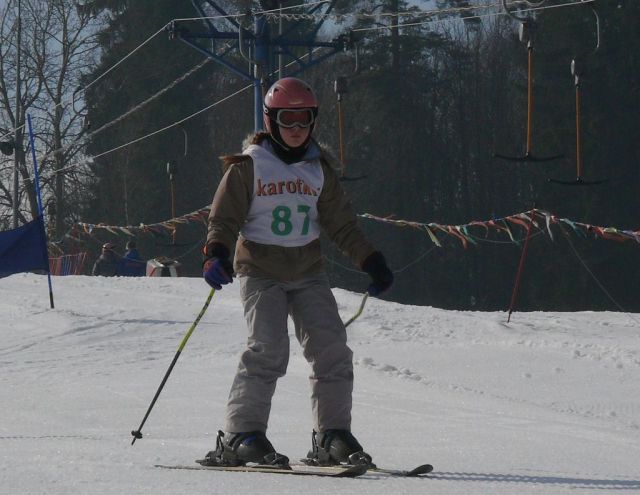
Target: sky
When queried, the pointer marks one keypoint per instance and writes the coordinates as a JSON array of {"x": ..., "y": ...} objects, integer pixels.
[{"x": 545, "y": 404}]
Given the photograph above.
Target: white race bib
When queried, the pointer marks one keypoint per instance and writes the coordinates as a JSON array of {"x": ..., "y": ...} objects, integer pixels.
[{"x": 284, "y": 207}]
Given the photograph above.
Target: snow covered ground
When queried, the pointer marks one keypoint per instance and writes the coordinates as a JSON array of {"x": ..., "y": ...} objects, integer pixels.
[{"x": 548, "y": 404}]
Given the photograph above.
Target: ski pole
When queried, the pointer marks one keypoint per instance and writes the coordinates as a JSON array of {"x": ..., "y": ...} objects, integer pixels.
[
  {"x": 138, "y": 433},
  {"x": 359, "y": 312}
]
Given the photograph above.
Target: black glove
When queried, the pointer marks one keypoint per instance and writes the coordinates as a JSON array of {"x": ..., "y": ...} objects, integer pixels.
[
  {"x": 382, "y": 278},
  {"x": 217, "y": 269}
]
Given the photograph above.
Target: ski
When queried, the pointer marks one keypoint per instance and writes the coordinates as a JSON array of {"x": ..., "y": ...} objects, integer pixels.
[
  {"x": 415, "y": 472},
  {"x": 294, "y": 469}
]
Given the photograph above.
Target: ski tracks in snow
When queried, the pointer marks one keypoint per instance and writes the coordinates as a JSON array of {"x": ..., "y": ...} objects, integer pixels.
[{"x": 547, "y": 348}]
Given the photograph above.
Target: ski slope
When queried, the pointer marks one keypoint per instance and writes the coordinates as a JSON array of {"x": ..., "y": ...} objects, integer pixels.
[{"x": 547, "y": 404}]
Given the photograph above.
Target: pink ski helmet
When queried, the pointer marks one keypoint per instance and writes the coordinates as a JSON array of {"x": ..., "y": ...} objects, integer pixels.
[{"x": 289, "y": 93}]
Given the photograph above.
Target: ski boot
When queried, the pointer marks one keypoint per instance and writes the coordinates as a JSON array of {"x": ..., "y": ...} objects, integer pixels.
[
  {"x": 238, "y": 449},
  {"x": 333, "y": 447}
]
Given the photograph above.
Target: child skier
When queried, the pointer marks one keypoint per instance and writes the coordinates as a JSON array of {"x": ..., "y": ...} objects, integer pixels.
[{"x": 271, "y": 204}]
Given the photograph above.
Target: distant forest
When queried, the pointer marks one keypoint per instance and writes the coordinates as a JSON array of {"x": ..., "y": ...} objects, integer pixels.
[{"x": 428, "y": 106}]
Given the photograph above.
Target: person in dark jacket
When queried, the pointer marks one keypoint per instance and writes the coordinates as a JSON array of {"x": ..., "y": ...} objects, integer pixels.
[
  {"x": 132, "y": 252},
  {"x": 132, "y": 265},
  {"x": 107, "y": 263}
]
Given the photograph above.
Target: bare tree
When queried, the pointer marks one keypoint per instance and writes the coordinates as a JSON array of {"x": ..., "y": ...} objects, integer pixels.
[
  {"x": 40, "y": 73},
  {"x": 19, "y": 89}
]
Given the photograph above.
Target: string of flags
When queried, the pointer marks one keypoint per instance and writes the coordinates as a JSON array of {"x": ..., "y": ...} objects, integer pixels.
[
  {"x": 468, "y": 233},
  {"x": 534, "y": 218},
  {"x": 160, "y": 228}
]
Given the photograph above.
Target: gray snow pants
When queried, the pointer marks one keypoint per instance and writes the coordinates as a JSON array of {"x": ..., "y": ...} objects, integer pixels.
[{"x": 320, "y": 331}]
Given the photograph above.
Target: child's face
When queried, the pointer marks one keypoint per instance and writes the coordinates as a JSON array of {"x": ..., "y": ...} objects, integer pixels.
[{"x": 294, "y": 136}]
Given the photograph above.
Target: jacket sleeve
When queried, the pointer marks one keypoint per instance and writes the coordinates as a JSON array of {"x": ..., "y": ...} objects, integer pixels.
[
  {"x": 230, "y": 206},
  {"x": 339, "y": 221}
]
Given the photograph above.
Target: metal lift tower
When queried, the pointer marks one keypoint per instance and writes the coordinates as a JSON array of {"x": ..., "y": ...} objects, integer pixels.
[{"x": 251, "y": 37}]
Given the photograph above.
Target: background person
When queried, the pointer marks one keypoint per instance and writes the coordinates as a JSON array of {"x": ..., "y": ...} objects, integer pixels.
[
  {"x": 131, "y": 264},
  {"x": 107, "y": 263}
]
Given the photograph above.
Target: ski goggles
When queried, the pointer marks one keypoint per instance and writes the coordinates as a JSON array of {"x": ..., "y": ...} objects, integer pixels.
[{"x": 289, "y": 118}]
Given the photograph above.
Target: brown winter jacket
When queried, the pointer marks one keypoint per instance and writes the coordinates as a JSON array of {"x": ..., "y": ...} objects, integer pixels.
[{"x": 231, "y": 205}]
